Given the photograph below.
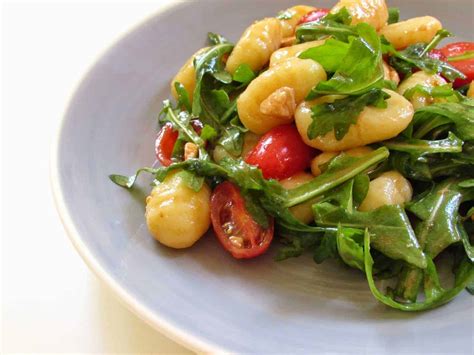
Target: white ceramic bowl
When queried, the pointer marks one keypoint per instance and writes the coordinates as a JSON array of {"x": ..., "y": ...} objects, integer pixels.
[{"x": 202, "y": 297}]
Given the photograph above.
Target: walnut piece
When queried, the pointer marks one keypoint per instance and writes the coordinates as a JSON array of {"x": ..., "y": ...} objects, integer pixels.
[{"x": 280, "y": 103}]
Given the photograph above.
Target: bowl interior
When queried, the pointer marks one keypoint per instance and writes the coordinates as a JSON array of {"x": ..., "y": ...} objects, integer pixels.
[{"x": 257, "y": 305}]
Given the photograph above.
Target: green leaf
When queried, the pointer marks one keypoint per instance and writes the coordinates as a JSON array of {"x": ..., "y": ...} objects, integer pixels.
[
  {"x": 341, "y": 169},
  {"x": 336, "y": 25},
  {"x": 327, "y": 249},
  {"x": 339, "y": 115},
  {"x": 432, "y": 91},
  {"x": 330, "y": 55},
  {"x": 435, "y": 295},
  {"x": 129, "y": 181},
  {"x": 244, "y": 74},
  {"x": 191, "y": 180},
  {"x": 361, "y": 68},
  {"x": 420, "y": 147},
  {"x": 350, "y": 247},
  {"x": 459, "y": 115},
  {"x": 389, "y": 225},
  {"x": 214, "y": 38},
  {"x": 183, "y": 96},
  {"x": 438, "y": 211},
  {"x": 209, "y": 62},
  {"x": 208, "y": 133},
  {"x": 465, "y": 56},
  {"x": 393, "y": 15}
]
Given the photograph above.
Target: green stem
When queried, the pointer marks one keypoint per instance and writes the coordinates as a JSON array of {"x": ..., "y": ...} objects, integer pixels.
[
  {"x": 440, "y": 35},
  {"x": 328, "y": 181},
  {"x": 464, "y": 56}
]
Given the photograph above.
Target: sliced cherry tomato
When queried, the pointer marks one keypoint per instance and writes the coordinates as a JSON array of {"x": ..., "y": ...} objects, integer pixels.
[
  {"x": 235, "y": 228},
  {"x": 281, "y": 153},
  {"x": 197, "y": 125},
  {"x": 164, "y": 143},
  {"x": 461, "y": 56},
  {"x": 314, "y": 15}
]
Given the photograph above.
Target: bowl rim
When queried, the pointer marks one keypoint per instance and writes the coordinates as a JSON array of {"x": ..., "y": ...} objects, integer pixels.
[{"x": 160, "y": 324}]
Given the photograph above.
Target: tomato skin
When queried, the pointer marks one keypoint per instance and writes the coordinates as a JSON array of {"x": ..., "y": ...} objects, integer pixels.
[
  {"x": 281, "y": 153},
  {"x": 314, "y": 15},
  {"x": 230, "y": 219},
  {"x": 164, "y": 144},
  {"x": 466, "y": 66},
  {"x": 437, "y": 54}
]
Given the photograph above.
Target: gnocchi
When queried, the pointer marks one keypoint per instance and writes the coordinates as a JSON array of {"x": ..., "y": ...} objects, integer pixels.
[
  {"x": 256, "y": 45},
  {"x": 176, "y": 215},
  {"x": 373, "y": 124},
  {"x": 292, "y": 51},
  {"x": 416, "y": 30},
  {"x": 390, "y": 188},
  {"x": 302, "y": 212},
  {"x": 294, "y": 13},
  {"x": 421, "y": 78},
  {"x": 186, "y": 76},
  {"x": 325, "y": 157},
  {"x": 373, "y": 12},
  {"x": 298, "y": 74},
  {"x": 390, "y": 74}
]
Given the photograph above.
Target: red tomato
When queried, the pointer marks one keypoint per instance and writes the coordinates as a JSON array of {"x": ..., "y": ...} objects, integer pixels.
[
  {"x": 314, "y": 15},
  {"x": 281, "y": 153},
  {"x": 235, "y": 228},
  {"x": 464, "y": 65},
  {"x": 164, "y": 143},
  {"x": 436, "y": 54}
]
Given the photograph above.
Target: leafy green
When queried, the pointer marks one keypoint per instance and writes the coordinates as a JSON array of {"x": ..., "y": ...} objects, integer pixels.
[
  {"x": 435, "y": 295},
  {"x": 330, "y": 55},
  {"x": 340, "y": 169},
  {"x": 459, "y": 115},
  {"x": 209, "y": 62},
  {"x": 191, "y": 180},
  {"x": 421, "y": 147},
  {"x": 393, "y": 15},
  {"x": 336, "y": 25},
  {"x": 465, "y": 56},
  {"x": 389, "y": 225},
  {"x": 326, "y": 249},
  {"x": 432, "y": 91},
  {"x": 243, "y": 74},
  {"x": 183, "y": 96},
  {"x": 129, "y": 181},
  {"x": 416, "y": 56},
  {"x": 341, "y": 114},
  {"x": 214, "y": 38},
  {"x": 208, "y": 133},
  {"x": 349, "y": 246},
  {"x": 360, "y": 69}
]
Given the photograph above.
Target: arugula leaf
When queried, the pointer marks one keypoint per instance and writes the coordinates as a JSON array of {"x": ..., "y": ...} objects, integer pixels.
[
  {"x": 330, "y": 55},
  {"x": 433, "y": 91},
  {"x": 435, "y": 295},
  {"x": 327, "y": 248},
  {"x": 416, "y": 56},
  {"x": 389, "y": 225},
  {"x": 420, "y": 147},
  {"x": 341, "y": 114},
  {"x": 208, "y": 133},
  {"x": 393, "y": 15},
  {"x": 459, "y": 115},
  {"x": 243, "y": 74},
  {"x": 361, "y": 68},
  {"x": 209, "y": 62},
  {"x": 341, "y": 169},
  {"x": 349, "y": 246},
  {"x": 183, "y": 96},
  {"x": 336, "y": 25},
  {"x": 214, "y": 38},
  {"x": 191, "y": 180},
  {"x": 129, "y": 181}
]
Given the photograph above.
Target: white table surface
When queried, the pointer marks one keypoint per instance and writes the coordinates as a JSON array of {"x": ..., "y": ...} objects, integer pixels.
[{"x": 51, "y": 302}]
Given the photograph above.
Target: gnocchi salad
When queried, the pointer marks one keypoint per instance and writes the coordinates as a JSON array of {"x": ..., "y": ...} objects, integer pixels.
[{"x": 345, "y": 133}]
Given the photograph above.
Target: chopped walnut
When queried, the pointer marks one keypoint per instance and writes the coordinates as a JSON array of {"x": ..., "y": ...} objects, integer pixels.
[
  {"x": 280, "y": 103},
  {"x": 190, "y": 151}
]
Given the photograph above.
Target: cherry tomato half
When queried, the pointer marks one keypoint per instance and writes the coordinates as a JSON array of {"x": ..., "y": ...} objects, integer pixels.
[
  {"x": 465, "y": 65},
  {"x": 235, "y": 228},
  {"x": 436, "y": 54},
  {"x": 281, "y": 153},
  {"x": 164, "y": 143},
  {"x": 314, "y": 15},
  {"x": 166, "y": 139}
]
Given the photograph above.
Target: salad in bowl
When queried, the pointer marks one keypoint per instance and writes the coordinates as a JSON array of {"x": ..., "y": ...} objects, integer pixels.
[{"x": 344, "y": 132}]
